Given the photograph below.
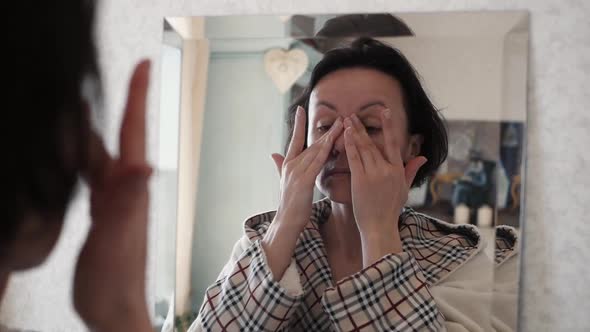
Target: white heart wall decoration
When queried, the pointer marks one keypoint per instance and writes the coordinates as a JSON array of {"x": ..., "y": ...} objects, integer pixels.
[{"x": 285, "y": 67}]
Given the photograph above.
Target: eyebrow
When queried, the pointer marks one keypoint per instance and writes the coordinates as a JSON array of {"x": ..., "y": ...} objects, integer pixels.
[{"x": 362, "y": 108}]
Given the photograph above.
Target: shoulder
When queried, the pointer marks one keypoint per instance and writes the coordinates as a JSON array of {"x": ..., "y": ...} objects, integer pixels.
[
  {"x": 424, "y": 228},
  {"x": 506, "y": 244},
  {"x": 439, "y": 247}
]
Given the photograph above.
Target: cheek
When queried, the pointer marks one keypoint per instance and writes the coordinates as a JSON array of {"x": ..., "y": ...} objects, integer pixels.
[
  {"x": 379, "y": 142},
  {"x": 311, "y": 135}
]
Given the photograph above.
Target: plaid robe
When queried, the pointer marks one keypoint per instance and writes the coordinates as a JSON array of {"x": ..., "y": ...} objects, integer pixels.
[
  {"x": 506, "y": 244},
  {"x": 393, "y": 294}
]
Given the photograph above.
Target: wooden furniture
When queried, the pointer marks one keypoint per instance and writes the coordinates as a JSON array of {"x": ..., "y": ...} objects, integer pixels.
[
  {"x": 515, "y": 192},
  {"x": 440, "y": 179}
]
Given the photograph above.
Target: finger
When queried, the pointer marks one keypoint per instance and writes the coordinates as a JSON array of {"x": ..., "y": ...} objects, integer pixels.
[
  {"x": 278, "y": 160},
  {"x": 352, "y": 154},
  {"x": 127, "y": 184},
  {"x": 392, "y": 148},
  {"x": 298, "y": 138},
  {"x": 133, "y": 130},
  {"x": 412, "y": 168},
  {"x": 325, "y": 147},
  {"x": 363, "y": 137},
  {"x": 324, "y": 142},
  {"x": 363, "y": 143},
  {"x": 98, "y": 158},
  {"x": 134, "y": 175}
]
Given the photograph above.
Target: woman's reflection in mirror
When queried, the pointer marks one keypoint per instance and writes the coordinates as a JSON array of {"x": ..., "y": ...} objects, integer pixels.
[{"x": 364, "y": 132}]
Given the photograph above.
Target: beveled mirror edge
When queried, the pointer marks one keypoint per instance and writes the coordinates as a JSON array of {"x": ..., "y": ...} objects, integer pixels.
[{"x": 521, "y": 27}]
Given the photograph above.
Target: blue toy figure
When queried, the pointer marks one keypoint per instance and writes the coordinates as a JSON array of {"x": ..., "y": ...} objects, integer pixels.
[{"x": 475, "y": 187}]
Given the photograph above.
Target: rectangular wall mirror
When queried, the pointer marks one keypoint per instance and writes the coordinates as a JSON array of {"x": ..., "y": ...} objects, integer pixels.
[{"x": 455, "y": 87}]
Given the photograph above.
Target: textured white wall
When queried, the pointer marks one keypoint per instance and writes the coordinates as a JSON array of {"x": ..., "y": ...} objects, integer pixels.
[{"x": 557, "y": 251}]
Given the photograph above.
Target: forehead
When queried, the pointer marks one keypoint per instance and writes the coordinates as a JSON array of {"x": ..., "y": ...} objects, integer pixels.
[{"x": 352, "y": 85}]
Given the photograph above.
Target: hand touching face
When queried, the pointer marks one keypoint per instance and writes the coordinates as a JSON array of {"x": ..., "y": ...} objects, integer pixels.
[{"x": 365, "y": 93}]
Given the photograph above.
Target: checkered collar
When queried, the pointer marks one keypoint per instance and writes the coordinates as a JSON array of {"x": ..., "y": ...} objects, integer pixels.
[
  {"x": 506, "y": 244},
  {"x": 438, "y": 246}
]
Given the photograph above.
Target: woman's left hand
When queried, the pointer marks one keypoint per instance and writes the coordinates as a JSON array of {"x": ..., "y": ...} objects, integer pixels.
[{"x": 380, "y": 184}]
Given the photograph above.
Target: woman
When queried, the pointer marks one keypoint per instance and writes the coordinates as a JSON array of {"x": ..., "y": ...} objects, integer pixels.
[
  {"x": 51, "y": 145},
  {"x": 365, "y": 133}
]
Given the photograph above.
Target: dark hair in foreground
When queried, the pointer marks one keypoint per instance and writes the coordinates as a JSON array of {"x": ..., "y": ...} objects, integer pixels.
[
  {"x": 423, "y": 117},
  {"x": 51, "y": 55}
]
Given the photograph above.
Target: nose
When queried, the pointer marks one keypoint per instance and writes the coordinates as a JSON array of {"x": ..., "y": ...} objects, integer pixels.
[{"x": 339, "y": 145}]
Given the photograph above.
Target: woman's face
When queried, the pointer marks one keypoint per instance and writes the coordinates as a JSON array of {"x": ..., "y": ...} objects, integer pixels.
[{"x": 366, "y": 93}]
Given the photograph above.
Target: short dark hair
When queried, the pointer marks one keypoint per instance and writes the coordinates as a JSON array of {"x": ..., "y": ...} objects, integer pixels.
[
  {"x": 51, "y": 56},
  {"x": 423, "y": 117}
]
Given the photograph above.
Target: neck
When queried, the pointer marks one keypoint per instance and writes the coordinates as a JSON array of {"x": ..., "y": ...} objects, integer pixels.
[
  {"x": 341, "y": 232},
  {"x": 343, "y": 215}
]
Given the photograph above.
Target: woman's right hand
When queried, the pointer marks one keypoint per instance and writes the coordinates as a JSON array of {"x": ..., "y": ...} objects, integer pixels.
[
  {"x": 298, "y": 171},
  {"x": 109, "y": 283}
]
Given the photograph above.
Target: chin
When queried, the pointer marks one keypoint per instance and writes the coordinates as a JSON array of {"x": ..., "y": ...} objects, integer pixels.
[{"x": 337, "y": 191}]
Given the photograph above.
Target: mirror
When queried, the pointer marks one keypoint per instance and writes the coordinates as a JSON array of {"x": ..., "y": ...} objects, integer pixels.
[
  {"x": 166, "y": 196},
  {"x": 458, "y": 233}
]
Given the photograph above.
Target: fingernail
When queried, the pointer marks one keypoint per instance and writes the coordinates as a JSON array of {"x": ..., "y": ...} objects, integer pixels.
[
  {"x": 144, "y": 62},
  {"x": 347, "y": 123},
  {"x": 387, "y": 114},
  {"x": 299, "y": 111}
]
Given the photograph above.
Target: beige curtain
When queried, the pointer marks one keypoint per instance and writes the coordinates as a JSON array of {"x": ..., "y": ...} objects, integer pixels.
[{"x": 195, "y": 60}]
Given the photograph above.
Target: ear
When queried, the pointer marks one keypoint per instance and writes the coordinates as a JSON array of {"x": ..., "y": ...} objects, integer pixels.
[{"x": 414, "y": 146}]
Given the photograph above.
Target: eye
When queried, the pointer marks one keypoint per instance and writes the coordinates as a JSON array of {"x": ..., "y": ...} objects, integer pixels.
[
  {"x": 372, "y": 130},
  {"x": 322, "y": 128}
]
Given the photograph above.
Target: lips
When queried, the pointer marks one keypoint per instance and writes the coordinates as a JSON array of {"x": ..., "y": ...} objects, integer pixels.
[{"x": 337, "y": 171}]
